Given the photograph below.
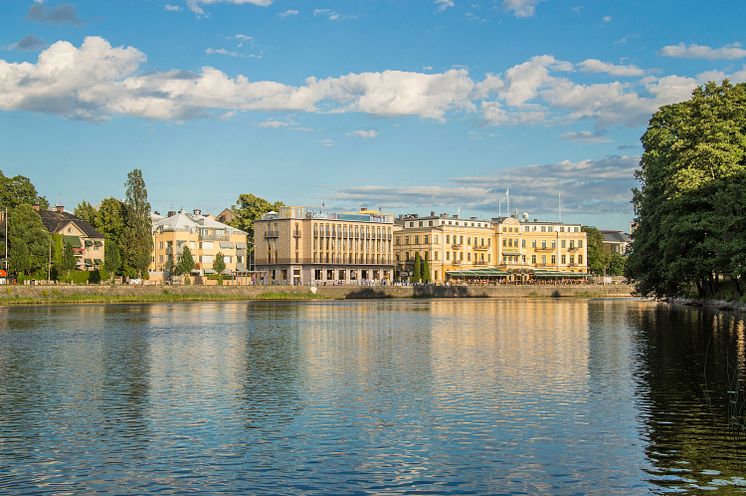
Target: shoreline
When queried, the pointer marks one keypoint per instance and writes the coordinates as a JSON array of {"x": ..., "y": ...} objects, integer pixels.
[
  {"x": 715, "y": 305},
  {"x": 69, "y": 295}
]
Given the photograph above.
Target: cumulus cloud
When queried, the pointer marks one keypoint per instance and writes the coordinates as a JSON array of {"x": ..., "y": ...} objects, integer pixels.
[
  {"x": 595, "y": 65},
  {"x": 588, "y": 186},
  {"x": 521, "y": 8},
  {"x": 694, "y": 51},
  {"x": 364, "y": 133},
  {"x": 27, "y": 43},
  {"x": 64, "y": 13}
]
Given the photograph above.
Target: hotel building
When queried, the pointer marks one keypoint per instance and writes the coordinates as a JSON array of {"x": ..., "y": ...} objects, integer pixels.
[
  {"x": 504, "y": 247},
  {"x": 205, "y": 238},
  {"x": 299, "y": 246}
]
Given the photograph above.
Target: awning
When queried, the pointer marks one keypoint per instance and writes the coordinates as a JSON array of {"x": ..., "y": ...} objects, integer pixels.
[
  {"x": 88, "y": 242},
  {"x": 478, "y": 273},
  {"x": 73, "y": 241},
  {"x": 98, "y": 261},
  {"x": 226, "y": 244},
  {"x": 88, "y": 262},
  {"x": 240, "y": 246},
  {"x": 555, "y": 274},
  {"x": 98, "y": 243}
]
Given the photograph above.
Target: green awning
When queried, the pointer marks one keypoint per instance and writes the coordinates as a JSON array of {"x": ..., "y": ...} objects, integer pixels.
[
  {"x": 73, "y": 241},
  {"x": 88, "y": 242},
  {"x": 88, "y": 262},
  {"x": 98, "y": 261},
  {"x": 478, "y": 273},
  {"x": 98, "y": 244}
]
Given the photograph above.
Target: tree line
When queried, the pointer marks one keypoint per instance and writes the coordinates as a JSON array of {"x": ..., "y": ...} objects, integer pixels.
[{"x": 691, "y": 205}]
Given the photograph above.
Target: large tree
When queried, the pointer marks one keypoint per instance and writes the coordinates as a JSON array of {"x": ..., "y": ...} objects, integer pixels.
[
  {"x": 185, "y": 265},
  {"x": 87, "y": 212},
  {"x": 110, "y": 219},
  {"x": 19, "y": 190},
  {"x": 136, "y": 242},
  {"x": 112, "y": 258},
  {"x": 598, "y": 257},
  {"x": 691, "y": 205},
  {"x": 250, "y": 208},
  {"x": 29, "y": 241}
]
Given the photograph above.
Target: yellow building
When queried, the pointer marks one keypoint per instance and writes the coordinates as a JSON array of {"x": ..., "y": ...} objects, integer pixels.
[
  {"x": 504, "y": 248},
  {"x": 205, "y": 238},
  {"x": 447, "y": 242},
  {"x": 299, "y": 246}
]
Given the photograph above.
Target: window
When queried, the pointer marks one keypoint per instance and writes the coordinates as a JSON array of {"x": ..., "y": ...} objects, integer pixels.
[
  {"x": 572, "y": 259},
  {"x": 563, "y": 243},
  {"x": 533, "y": 243},
  {"x": 544, "y": 259},
  {"x": 426, "y": 239},
  {"x": 206, "y": 259},
  {"x": 572, "y": 244},
  {"x": 564, "y": 259},
  {"x": 160, "y": 245},
  {"x": 468, "y": 256},
  {"x": 430, "y": 223},
  {"x": 206, "y": 245},
  {"x": 416, "y": 240},
  {"x": 448, "y": 239},
  {"x": 523, "y": 244},
  {"x": 436, "y": 255},
  {"x": 533, "y": 259},
  {"x": 406, "y": 240},
  {"x": 580, "y": 243},
  {"x": 435, "y": 239},
  {"x": 420, "y": 223},
  {"x": 580, "y": 259},
  {"x": 544, "y": 244},
  {"x": 554, "y": 259}
]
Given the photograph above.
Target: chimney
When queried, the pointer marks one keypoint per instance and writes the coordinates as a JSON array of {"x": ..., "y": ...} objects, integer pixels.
[
  {"x": 157, "y": 212},
  {"x": 197, "y": 211},
  {"x": 432, "y": 213},
  {"x": 171, "y": 213},
  {"x": 60, "y": 209},
  {"x": 36, "y": 207}
]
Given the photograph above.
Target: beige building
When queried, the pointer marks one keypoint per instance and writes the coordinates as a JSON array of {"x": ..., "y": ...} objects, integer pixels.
[
  {"x": 505, "y": 248},
  {"x": 205, "y": 238},
  {"x": 448, "y": 243},
  {"x": 299, "y": 246},
  {"x": 87, "y": 243}
]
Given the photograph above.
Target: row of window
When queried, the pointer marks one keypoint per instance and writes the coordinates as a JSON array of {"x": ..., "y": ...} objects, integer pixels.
[
  {"x": 208, "y": 259},
  {"x": 456, "y": 256},
  {"x": 457, "y": 240},
  {"x": 344, "y": 231},
  {"x": 513, "y": 242},
  {"x": 367, "y": 245},
  {"x": 349, "y": 258},
  {"x": 203, "y": 245},
  {"x": 442, "y": 222}
]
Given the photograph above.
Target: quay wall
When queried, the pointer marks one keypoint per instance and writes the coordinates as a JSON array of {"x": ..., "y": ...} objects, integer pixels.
[{"x": 133, "y": 294}]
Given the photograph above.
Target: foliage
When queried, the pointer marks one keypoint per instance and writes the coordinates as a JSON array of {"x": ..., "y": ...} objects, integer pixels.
[
  {"x": 218, "y": 265},
  {"x": 250, "y": 208},
  {"x": 67, "y": 261},
  {"x": 28, "y": 241},
  {"x": 617, "y": 261},
  {"x": 417, "y": 272},
  {"x": 18, "y": 190},
  {"x": 691, "y": 206},
  {"x": 87, "y": 212},
  {"x": 598, "y": 257},
  {"x": 136, "y": 241},
  {"x": 112, "y": 258},
  {"x": 185, "y": 264},
  {"x": 426, "y": 271},
  {"x": 110, "y": 219}
]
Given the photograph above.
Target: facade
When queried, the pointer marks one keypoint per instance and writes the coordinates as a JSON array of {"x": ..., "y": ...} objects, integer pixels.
[
  {"x": 204, "y": 236},
  {"x": 504, "y": 247},
  {"x": 448, "y": 243},
  {"x": 616, "y": 242},
  {"x": 299, "y": 246},
  {"x": 87, "y": 243},
  {"x": 226, "y": 216}
]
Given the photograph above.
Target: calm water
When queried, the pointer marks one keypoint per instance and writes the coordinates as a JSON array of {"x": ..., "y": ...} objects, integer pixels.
[{"x": 432, "y": 397}]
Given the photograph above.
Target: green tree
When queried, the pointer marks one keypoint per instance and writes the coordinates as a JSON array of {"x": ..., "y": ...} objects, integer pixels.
[
  {"x": 426, "y": 271},
  {"x": 112, "y": 258},
  {"x": 598, "y": 257},
  {"x": 19, "y": 190},
  {"x": 110, "y": 219},
  {"x": 67, "y": 261},
  {"x": 218, "y": 265},
  {"x": 136, "y": 242},
  {"x": 87, "y": 212},
  {"x": 690, "y": 207},
  {"x": 617, "y": 261},
  {"x": 185, "y": 264},
  {"x": 28, "y": 241},
  {"x": 417, "y": 272},
  {"x": 250, "y": 208}
]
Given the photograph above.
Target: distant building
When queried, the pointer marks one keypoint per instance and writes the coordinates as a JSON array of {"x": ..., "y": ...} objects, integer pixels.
[
  {"x": 501, "y": 248},
  {"x": 300, "y": 246},
  {"x": 227, "y": 216},
  {"x": 616, "y": 241},
  {"x": 87, "y": 243},
  {"x": 204, "y": 236}
]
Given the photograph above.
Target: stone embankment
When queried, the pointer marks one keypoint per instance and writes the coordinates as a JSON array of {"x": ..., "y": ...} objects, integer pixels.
[{"x": 144, "y": 294}]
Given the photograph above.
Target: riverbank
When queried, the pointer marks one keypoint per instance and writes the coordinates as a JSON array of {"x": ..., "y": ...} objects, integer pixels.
[
  {"x": 43, "y": 295},
  {"x": 721, "y": 305}
]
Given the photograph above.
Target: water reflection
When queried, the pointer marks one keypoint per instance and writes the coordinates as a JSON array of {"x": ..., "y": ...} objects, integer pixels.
[{"x": 436, "y": 396}]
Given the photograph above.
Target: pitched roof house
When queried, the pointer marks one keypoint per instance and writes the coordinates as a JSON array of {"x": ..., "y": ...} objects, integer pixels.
[{"x": 86, "y": 241}]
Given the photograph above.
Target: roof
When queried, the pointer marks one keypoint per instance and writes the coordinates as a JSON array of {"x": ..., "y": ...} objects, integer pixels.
[
  {"x": 54, "y": 221},
  {"x": 615, "y": 237},
  {"x": 183, "y": 221}
]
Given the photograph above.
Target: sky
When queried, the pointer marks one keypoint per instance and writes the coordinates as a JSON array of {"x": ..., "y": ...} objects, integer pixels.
[{"x": 404, "y": 105}]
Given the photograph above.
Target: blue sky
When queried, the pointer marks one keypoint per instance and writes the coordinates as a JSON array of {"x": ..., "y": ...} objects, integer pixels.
[{"x": 408, "y": 105}]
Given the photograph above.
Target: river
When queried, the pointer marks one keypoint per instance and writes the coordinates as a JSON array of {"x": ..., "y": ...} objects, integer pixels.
[{"x": 470, "y": 396}]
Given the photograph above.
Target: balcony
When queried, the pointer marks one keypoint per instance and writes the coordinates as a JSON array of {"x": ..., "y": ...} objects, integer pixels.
[
  {"x": 544, "y": 248},
  {"x": 271, "y": 234},
  {"x": 573, "y": 248},
  {"x": 481, "y": 247},
  {"x": 214, "y": 237},
  {"x": 480, "y": 262},
  {"x": 456, "y": 246}
]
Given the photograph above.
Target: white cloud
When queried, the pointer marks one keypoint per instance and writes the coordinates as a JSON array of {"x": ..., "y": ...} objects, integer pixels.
[
  {"x": 273, "y": 124},
  {"x": 523, "y": 81},
  {"x": 332, "y": 15},
  {"x": 694, "y": 51},
  {"x": 364, "y": 133},
  {"x": 196, "y": 5},
  {"x": 521, "y": 8},
  {"x": 444, "y": 4},
  {"x": 172, "y": 8},
  {"x": 328, "y": 142},
  {"x": 595, "y": 65},
  {"x": 288, "y": 13},
  {"x": 242, "y": 39},
  {"x": 586, "y": 137},
  {"x": 231, "y": 53},
  {"x": 606, "y": 19}
]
